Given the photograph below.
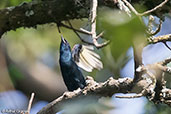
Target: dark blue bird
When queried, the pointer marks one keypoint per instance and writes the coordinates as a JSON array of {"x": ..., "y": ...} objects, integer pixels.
[{"x": 70, "y": 61}]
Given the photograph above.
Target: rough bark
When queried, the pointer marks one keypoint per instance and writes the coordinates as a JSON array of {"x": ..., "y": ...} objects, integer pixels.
[
  {"x": 34, "y": 13},
  {"x": 105, "y": 89}
]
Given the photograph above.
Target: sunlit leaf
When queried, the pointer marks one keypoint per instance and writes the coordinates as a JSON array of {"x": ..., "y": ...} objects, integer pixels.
[
  {"x": 120, "y": 29},
  {"x": 16, "y": 2}
]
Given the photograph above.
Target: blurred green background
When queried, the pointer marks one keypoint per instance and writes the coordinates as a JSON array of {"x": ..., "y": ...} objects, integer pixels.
[{"x": 29, "y": 59}]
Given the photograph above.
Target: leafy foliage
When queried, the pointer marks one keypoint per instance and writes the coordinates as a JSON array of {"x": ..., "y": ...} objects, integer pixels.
[
  {"x": 7, "y": 3},
  {"x": 120, "y": 29}
]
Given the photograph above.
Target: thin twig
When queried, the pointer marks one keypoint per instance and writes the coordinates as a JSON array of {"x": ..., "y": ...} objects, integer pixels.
[
  {"x": 69, "y": 27},
  {"x": 83, "y": 30},
  {"x": 130, "y": 97},
  {"x": 131, "y": 7},
  {"x": 93, "y": 21},
  {"x": 93, "y": 25},
  {"x": 163, "y": 38},
  {"x": 155, "y": 8},
  {"x": 167, "y": 46},
  {"x": 95, "y": 43},
  {"x": 79, "y": 35},
  {"x": 101, "y": 34},
  {"x": 158, "y": 28},
  {"x": 93, "y": 15},
  {"x": 147, "y": 12},
  {"x": 150, "y": 24},
  {"x": 30, "y": 103},
  {"x": 123, "y": 7}
]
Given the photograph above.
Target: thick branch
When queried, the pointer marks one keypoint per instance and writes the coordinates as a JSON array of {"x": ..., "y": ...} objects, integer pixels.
[
  {"x": 34, "y": 13},
  {"x": 107, "y": 88},
  {"x": 46, "y": 11}
]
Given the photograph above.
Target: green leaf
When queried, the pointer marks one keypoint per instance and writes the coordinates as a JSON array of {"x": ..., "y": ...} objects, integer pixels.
[
  {"x": 120, "y": 29},
  {"x": 16, "y": 2},
  {"x": 14, "y": 73}
]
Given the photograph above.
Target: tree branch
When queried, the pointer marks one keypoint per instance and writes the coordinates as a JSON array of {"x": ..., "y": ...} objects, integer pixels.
[
  {"x": 30, "y": 103},
  {"x": 90, "y": 43},
  {"x": 107, "y": 88},
  {"x": 155, "y": 91},
  {"x": 47, "y": 11},
  {"x": 93, "y": 15},
  {"x": 163, "y": 38},
  {"x": 146, "y": 12},
  {"x": 35, "y": 13}
]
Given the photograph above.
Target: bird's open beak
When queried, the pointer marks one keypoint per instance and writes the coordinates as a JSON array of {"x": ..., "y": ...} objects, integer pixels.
[{"x": 63, "y": 40}]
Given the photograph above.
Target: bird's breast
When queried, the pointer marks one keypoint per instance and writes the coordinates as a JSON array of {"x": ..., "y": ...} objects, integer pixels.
[{"x": 65, "y": 63}]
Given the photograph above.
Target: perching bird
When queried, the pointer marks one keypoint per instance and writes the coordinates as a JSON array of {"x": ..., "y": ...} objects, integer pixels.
[{"x": 70, "y": 61}]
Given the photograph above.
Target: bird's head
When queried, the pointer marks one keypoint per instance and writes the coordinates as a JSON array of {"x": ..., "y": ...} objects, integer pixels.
[{"x": 65, "y": 50}]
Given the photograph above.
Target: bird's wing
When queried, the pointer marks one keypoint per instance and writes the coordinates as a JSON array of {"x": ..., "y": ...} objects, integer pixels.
[{"x": 86, "y": 58}]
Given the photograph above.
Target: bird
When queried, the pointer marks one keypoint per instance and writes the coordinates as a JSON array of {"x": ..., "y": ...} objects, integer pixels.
[{"x": 81, "y": 56}]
